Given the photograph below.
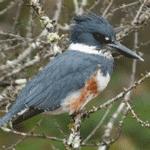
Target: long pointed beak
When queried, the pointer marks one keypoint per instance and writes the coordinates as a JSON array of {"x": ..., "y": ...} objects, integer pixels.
[{"x": 125, "y": 51}]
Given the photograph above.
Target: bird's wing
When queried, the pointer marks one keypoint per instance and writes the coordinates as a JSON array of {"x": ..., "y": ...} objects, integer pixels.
[{"x": 67, "y": 73}]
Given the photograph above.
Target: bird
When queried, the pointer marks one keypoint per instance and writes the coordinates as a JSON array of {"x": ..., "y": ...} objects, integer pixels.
[{"x": 75, "y": 77}]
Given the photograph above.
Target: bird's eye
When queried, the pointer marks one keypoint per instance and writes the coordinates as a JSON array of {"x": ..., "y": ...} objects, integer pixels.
[
  {"x": 108, "y": 40},
  {"x": 101, "y": 38}
]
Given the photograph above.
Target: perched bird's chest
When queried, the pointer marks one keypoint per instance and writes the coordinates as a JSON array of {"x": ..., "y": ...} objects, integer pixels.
[{"x": 96, "y": 77}]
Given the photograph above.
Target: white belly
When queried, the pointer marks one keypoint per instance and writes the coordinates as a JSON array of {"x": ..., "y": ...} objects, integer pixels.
[{"x": 102, "y": 80}]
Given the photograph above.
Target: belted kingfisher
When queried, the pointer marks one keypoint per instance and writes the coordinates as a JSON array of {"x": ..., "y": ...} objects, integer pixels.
[{"x": 74, "y": 77}]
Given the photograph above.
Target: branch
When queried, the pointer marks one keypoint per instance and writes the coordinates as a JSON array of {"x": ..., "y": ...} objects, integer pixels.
[
  {"x": 74, "y": 138},
  {"x": 135, "y": 116},
  {"x": 32, "y": 135},
  {"x": 58, "y": 12},
  {"x": 120, "y": 95}
]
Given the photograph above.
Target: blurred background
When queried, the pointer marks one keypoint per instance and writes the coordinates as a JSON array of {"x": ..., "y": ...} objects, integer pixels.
[{"x": 20, "y": 27}]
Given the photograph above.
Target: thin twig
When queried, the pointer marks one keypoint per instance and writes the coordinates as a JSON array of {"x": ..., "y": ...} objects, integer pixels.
[
  {"x": 32, "y": 135},
  {"x": 138, "y": 13},
  {"x": 135, "y": 116},
  {"x": 100, "y": 123},
  {"x": 106, "y": 10},
  {"x": 93, "y": 6},
  {"x": 60, "y": 130}
]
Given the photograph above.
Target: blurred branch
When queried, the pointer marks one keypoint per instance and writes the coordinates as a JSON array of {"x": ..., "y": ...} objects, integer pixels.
[
  {"x": 64, "y": 28},
  {"x": 12, "y": 3},
  {"x": 142, "y": 44},
  {"x": 12, "y": 47},
  {"x": 96, "y": 3},
  {"x": 58, "y": 12},
  {"x": 100, "y": 123},
  {"x": 137, "y": 23},
  {"x": 17, "y": 15},
  {"x": 79, "y": 9},
  {"x": 18, "y": 37},
  {"x": 29, "y": 28},
  {"x": 15, "y": 71},
  {"x": 122, "y": 7},
  {"x": 138, "y": 13},
  {"x": 106, "y": 10},
  {"x": 105, "y": 143},
  {"x": 1, "y": 1},
  {"x": 61, "y": 131}
]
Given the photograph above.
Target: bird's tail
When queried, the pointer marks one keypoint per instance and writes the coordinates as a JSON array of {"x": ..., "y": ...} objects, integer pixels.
[
  {"x": 13, "y": 112},
  {"x": 21, "y": 116},
  {"x": 6, "y": 118},
  {"x": 31, "y": 112}
]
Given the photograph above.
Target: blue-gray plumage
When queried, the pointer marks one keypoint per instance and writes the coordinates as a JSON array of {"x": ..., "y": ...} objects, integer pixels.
[{"x": 73, "y": 78}]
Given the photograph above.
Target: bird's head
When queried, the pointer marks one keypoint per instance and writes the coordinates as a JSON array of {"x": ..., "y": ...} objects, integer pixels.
[{"x": 94, "y": 31}]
